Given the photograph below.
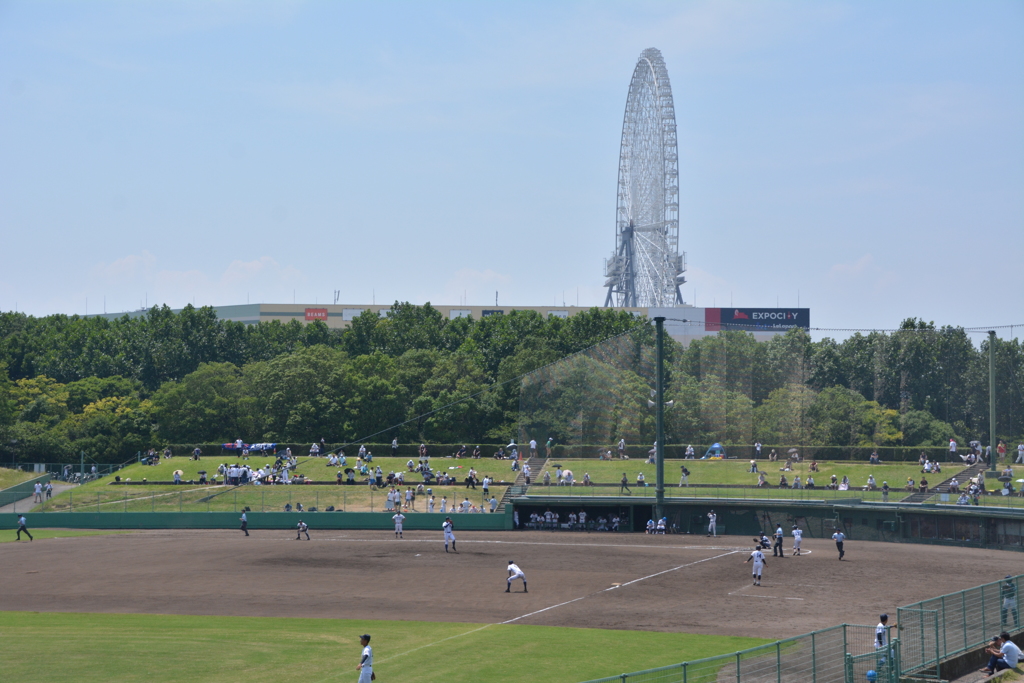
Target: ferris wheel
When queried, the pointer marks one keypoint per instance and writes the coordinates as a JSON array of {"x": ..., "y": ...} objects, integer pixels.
[{"x": 647, "y": 268}]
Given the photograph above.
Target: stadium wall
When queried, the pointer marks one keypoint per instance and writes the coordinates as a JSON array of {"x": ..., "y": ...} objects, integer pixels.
[{"x": 999, "y": 528}]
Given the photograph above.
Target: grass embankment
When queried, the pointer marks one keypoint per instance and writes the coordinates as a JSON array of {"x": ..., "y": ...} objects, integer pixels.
[
  {"x": 9, "y": 477},
  {"x": 11, "y": 535},
  {"x": 102, "y": 496},
  {"x": 184, "y": 498},
  {"x": 736, "y": 473},
  {"x": 171, "y": 648}
]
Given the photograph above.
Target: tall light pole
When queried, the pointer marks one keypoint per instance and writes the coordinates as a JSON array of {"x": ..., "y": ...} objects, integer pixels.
[
  {"x": 992, "y": 399},
  {"x": 659, "y": 448}
]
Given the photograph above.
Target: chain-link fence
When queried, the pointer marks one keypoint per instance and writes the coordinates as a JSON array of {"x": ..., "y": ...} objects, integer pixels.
[
  {"x": 937, "y": 629},
  {"x": 930, "y": 632},
  {"x": 824, "y": 656}
]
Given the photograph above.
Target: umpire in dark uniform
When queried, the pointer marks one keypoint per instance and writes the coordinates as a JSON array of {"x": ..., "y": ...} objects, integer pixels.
[{"x": 777, "y": 548}]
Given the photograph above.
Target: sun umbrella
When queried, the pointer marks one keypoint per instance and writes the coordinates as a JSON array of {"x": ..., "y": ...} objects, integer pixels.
[
  {"x": 792, "y": 450},
  {"x": 178, "y": 472},
  {"x": 349, "y": 469}
]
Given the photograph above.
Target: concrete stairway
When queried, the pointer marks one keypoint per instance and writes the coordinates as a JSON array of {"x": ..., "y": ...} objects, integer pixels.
[{"x": 962, "y": 476}]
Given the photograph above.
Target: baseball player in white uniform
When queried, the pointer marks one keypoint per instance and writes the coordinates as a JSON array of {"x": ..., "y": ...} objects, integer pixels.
[
  {"x": 365, "y": 667},
  {"x": 399, "y": 518},
  {"x": 798, "y": 535},
  {"x": 449, "y": 535},
  {"x": 514, "y": 572},
  {"x": 712, "y": 524},
  {"x": 302, "y": 528},
  {"x": 759, "y": 562}
]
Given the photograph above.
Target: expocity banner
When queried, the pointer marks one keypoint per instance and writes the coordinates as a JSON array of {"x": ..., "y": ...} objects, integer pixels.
[{"x": 716, "y": 319}]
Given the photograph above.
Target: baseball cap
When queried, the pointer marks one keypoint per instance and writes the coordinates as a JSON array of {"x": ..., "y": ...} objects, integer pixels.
[
  {"x": 365, "y": 636},
  {"x": 883, "y": 617},
  {"x": 511, "y": 562}
]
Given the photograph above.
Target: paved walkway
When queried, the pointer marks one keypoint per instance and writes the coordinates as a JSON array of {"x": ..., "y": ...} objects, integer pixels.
[{"x": 26, "y": 504}]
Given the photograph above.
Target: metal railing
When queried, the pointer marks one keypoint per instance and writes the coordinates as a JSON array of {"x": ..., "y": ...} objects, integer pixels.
[{"x": 930, "y": 632}]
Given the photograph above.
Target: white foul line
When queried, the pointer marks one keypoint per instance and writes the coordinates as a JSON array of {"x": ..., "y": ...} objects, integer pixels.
[{"x": 628, "y": 583}]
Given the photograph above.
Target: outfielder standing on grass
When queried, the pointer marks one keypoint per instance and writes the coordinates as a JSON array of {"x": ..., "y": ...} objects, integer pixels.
[
  {"x": 23, "y": 528},
  {"x": 514, "y": 572},
  {"x": 399, "y": 518},
  {"x": 365, "y": 667},
  {"x": 449, "y": 535},
  {"x": 303, "y": 529},
  {"x": 759, "y": 562}
]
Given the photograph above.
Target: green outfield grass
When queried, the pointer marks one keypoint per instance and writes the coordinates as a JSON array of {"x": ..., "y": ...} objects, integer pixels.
[
  {"x": 10, "y": 535},
  {"x": 48, "y": 647},
  {"x": 9, "y": 477}
]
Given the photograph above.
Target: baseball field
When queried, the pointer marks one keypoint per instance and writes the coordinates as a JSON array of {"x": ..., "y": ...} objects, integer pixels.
[{"x": 214, "y": 605}]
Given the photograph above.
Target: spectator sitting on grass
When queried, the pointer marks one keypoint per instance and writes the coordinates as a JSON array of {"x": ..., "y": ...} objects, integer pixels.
[
  {"x": 963, "y": 499},
  {"x": 871, "y": 486},
  {"x": 874, "y": 460},
  {"x": 814, "y": 466},
  {"x": 640, "y": 479},
  {"x": 783, "y": 482},
  {"x": 910, "y": 484},
  {"x": 924, "y": 485},
  {"x": 761, "y": 480},
  {"x": 586, "y": 479},
  {"x": 796, "y": 482},
  {"x": 810, "y": 482}
]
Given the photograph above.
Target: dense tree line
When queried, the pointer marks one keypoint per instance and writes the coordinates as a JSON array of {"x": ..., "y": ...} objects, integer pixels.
[{"x": 114, "y": 387}]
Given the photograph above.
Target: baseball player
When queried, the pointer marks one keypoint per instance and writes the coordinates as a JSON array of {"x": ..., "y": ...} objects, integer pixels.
[
  {"x": 882, "y": 639},
  {"x": 448, "y": 534},
  {"x": 712, "y": 524},
  {"x": 759, "y": 562},
  {"x": 245, "y": 523},
  {"x": 365, "y": 667},
  {"x": 1009, "y": 592},
  {"x": 777, "y": 548},
  {"x": 303, "y": 528},
  {"x": 798, "y": 535},
  {"x": 399, "y": 518},
  {"x": 514, "y": 572},
  {"x": 23, "y": 528},
  {"x": 839, "y": 537}
]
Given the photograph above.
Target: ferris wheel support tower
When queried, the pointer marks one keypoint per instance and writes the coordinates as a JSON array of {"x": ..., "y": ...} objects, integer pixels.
[{"x": 646, "y": 268}]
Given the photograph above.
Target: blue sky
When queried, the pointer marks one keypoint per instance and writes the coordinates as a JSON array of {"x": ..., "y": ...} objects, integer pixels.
[{"x": 867, "y": 157}]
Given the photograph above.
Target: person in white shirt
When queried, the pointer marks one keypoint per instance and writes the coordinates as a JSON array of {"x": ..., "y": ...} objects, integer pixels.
[
  {"x": 798, "y": 536},
  {"x": 952, "y": 449},
  {"x": 712, "y": 524},
  {"x": 1005, "y": 654},
  {"x": 759, "y": 562},
  {"x": 882, "y": 639},
  {"x": 303, "y": 529},
  {"x": 533, "y": 448},
  {"x": 839, "y": 537},
  {"x": 365, "y": 667},
  {"x": 449, "y": 534},
  {"x": 514, "y": 572},
  {"x": 430, "y": 504},
  {"x": 399, "y": 518},
  {"x": 1020, "y": 454},
  {"x": 444, "y": 504},
  {"x": 493, "y": 502},
  {"x": 37, "y": 496}
]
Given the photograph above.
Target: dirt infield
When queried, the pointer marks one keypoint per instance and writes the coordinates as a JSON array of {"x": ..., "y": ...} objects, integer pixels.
[{"x": 632, "y": 581}]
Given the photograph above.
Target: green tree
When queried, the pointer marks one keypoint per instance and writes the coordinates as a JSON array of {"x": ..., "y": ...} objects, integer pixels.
[{"x": 209, "y": 405}]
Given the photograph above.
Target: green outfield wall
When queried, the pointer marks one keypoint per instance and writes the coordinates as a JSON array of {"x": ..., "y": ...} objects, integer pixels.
[{"x": 261, "y": 520}]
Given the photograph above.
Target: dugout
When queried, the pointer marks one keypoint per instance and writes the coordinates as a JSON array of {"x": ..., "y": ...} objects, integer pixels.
[{"x": 974, "y": 526}]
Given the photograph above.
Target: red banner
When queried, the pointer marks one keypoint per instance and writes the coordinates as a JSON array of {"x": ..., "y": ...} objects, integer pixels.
[{"x": 316, "y": 314}]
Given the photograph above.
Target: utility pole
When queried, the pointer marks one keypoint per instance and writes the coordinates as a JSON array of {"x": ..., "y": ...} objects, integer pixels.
[
  {"x": 992, "y": 399},
  {"x": 659, "y": 448}
]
